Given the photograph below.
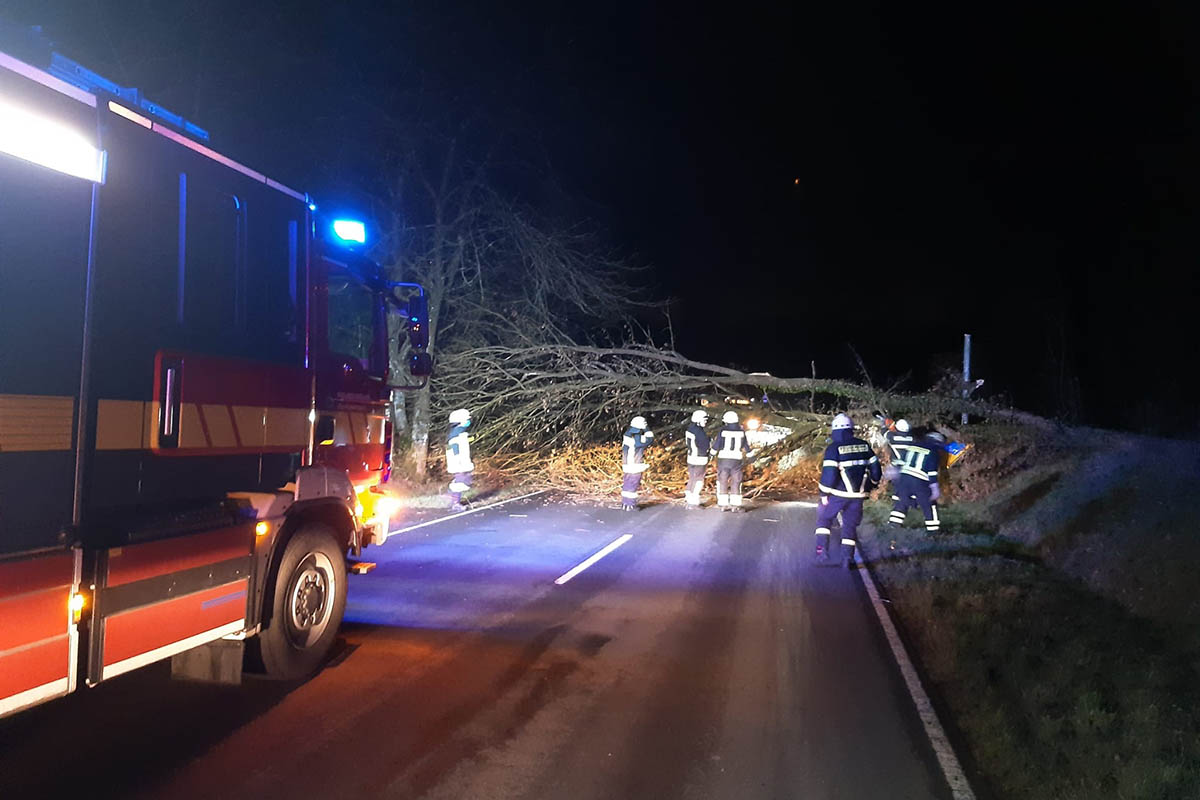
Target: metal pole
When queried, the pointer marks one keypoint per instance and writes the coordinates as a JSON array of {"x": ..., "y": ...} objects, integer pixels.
[
  {"x": 966, "y": 371},
  {"x": 812, "y": 396}
]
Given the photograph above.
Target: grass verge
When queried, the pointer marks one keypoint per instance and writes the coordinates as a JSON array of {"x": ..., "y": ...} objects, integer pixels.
[{"x": 1059, "y": 692}]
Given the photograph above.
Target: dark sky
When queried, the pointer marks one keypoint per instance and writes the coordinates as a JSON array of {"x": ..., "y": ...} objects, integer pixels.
[{"x": 803, "y": 177}]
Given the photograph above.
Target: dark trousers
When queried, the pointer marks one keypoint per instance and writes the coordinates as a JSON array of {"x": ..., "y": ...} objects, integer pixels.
[
  {"x": 695, "y": 483},
  {"x": 729, "y": 482},
  {"x": 629, "y": 488},
  {"x": 851, "y": 509},
  {"x": 913, "y": 492},
  {"x": 459, "y": 485}
]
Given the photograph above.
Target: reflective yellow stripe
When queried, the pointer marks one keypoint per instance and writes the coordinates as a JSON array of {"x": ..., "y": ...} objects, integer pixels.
[
  {"x": 35, "y": 422},
  {"x": 133, "y": 425},
  {"x": 220, "y": 425},
  {"x": 191, "y": 434},
  {"x": 284, "y": 427},
  {"x": 122, "y": 425}
]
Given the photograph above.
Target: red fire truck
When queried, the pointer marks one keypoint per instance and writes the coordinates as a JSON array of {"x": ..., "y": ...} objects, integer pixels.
[{"x": 193, "y": 389}]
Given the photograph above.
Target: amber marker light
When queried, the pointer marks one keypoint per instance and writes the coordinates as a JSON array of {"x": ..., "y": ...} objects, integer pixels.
[
  {"x": 262, "y": 528},
  {"x": 76, "y": 604}
]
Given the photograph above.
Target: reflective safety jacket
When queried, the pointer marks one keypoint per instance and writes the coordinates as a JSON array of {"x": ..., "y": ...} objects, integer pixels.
[
  {"x": 458, "y": 451},
  {"x": 898, "y": 443},
  {"x": 633, "y": 449},
  {"x": 917, "y": 458},
  {"x": 730, "y": 442},
  {"x": 851, "y": 468},
  {"x": 698, "y": 445}
]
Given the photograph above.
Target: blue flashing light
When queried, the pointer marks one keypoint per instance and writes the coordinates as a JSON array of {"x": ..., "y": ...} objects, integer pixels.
[
  {"x": 312, "y": 206},
  {"x": 350, "y": 231}
]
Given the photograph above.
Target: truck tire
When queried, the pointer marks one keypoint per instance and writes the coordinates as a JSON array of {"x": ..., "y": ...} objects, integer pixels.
[{"x": 306, "y": 606}]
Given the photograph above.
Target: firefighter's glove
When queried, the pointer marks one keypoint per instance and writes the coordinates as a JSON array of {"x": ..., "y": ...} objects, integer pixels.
[
  {"x": 935, "y": 492},
  {"x": 891, "y": 472}
]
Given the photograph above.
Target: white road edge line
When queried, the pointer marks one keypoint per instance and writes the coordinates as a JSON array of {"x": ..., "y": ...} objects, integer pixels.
[
  {"x": 464, "y": 513},
  {"x": 960, "y": 788},
  {"x": 578, "y": 568}
]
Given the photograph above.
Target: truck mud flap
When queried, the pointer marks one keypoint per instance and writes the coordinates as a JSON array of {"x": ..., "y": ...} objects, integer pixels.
[
  {"x": 156, "y": 599},
  {"x": 38, "y": 638}
]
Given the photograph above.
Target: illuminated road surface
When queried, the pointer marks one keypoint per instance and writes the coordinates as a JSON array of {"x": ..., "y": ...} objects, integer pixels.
[{"x": 702, "y": 657}]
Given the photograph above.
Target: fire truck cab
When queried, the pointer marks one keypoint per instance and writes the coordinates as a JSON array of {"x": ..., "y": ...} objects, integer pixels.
[{"x": 193, "y": 395}]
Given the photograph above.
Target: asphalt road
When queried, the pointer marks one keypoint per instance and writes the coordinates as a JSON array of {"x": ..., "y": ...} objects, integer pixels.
[{"x": 706, "y": 657}]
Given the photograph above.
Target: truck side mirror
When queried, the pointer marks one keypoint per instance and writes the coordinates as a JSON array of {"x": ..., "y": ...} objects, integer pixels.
[
  {"x": 420, "y": 365},
  {"x": 418, "y": 322}
]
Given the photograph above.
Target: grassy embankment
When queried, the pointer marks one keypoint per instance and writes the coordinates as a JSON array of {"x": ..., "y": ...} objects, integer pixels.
[{"x": 1067, "y": 674}]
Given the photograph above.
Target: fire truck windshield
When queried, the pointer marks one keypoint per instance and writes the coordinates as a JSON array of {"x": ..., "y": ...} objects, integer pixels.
[{"x": 357, "y": 324}]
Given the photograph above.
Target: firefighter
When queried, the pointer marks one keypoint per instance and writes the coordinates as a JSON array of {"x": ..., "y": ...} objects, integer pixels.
[
  {"x": 732, "y": 447},
  {"x": 458, "y": 457},
  {"x": 898, "y": 437},
  {"x": 633, "y": 462},
  {"x": 698, "y": 449},
  {"x": 916, "y": 485},
  {"x": 849, "y": 471}
]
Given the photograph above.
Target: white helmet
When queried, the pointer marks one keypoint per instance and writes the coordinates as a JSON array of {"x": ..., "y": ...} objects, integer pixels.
[
  {"x": 729, "y": 416},
  {"x": 700, "y": 417},
  {"x": 842, "y": 422},
  {"x": 902, "y": 426},
  {"x": 459, "y": 416},
  {"x": 638, "y": 422}
]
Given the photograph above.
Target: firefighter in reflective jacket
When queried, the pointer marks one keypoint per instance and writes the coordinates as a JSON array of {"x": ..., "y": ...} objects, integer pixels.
[
  {"x": 849, "y": 471},
  {"x": 698, "y": 448},
  {"x": 633, "y": 461},
  {"x": 898, "y": 437},
  {"x": 916, "y": 485},
  {"x": 732, "y": 448},
  {"x": 458, "y": 456}
]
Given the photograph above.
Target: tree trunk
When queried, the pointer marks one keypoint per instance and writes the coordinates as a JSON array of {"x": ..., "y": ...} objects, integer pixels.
[
  {"x": 420, "y": 432},
  {"x": 399, "y": 424}
]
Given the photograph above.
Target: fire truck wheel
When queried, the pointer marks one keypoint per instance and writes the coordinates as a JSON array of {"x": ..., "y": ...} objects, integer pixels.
[{"x": 309, "y": 600}]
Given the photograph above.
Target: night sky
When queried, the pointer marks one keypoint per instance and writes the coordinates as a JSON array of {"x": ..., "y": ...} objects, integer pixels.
[{"x": 803, "y": 179}]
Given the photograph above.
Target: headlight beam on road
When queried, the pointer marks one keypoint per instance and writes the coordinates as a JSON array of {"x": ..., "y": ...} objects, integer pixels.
[{"x": 578, "y": 568}]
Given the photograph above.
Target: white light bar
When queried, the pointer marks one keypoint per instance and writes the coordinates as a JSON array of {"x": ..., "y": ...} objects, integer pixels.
[
  {"x": 213, "y": 154},
  {"x": 132, "y": 116},
  {"x": 46, "y": 79},
  {"x": 205, "y": 151},
  {"x": 281, "y": 188},
  {"x": 49, "y": 143}
]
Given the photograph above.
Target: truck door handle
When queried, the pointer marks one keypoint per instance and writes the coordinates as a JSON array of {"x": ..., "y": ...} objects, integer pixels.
[{"x": 170, "y": 391}]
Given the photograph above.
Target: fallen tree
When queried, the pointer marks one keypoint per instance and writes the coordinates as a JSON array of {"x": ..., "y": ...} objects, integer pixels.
[
  {"x": 570, "y": 394},
  {"x": 551, "y": 415}
]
